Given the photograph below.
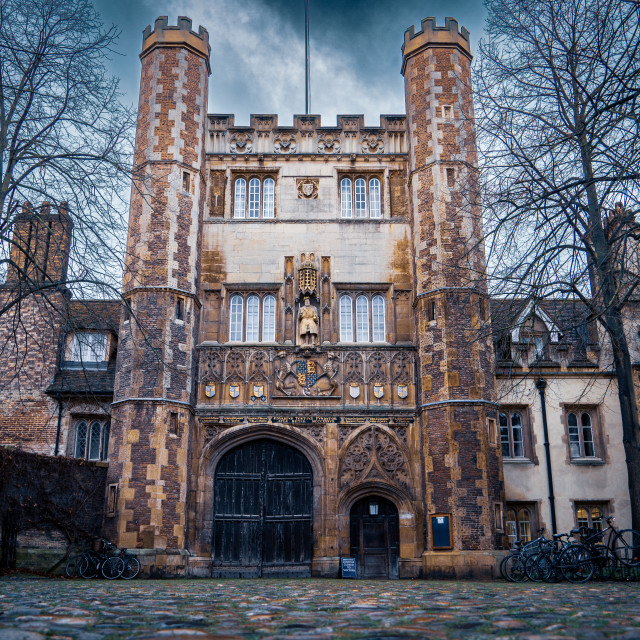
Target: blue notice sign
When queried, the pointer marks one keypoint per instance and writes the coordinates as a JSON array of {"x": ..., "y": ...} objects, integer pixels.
[{"x": 348, "y": 566}]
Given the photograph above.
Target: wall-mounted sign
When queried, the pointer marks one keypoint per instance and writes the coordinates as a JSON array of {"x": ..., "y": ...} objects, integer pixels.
[{"x": 441, "y": 531}]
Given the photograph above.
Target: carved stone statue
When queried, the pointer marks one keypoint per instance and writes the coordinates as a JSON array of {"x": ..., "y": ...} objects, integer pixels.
[{"x": 308, "y": 325}]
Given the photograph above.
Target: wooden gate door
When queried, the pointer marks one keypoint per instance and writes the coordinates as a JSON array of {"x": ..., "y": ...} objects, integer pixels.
[
  {"x": 263, "y": 518},
  {"x": 374, "y": 537}
]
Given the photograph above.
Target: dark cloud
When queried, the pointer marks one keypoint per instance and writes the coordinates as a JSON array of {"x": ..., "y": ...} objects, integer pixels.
[{"x": 258, "y": 51}]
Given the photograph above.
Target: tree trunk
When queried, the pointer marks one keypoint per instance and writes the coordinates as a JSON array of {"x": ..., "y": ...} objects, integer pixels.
[
  {"x": 9, "y": 540},
  {"x": 628, "y": 409}
]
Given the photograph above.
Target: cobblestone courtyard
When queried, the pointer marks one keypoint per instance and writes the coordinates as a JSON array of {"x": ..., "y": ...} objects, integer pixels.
[{"x": 32, "y": 609}]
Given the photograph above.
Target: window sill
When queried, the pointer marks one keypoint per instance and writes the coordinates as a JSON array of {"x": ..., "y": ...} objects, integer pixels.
[
  {"x": 586, "y": 462},
  {"x": 517, "y": 461},
  {"x": 87, "y": 366}
]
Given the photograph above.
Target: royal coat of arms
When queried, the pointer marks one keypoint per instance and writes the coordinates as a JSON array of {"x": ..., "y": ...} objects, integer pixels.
[
  {"x": 402, "y": 391},
  {"x": 234, "y": 390},
  {"x": 378, "y": 390},
  {"x": 307, "y": 372},
  {"x": 209, "y": 390}
]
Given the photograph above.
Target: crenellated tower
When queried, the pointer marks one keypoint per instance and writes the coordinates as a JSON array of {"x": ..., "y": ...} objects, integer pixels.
[
  {"x": 153, "y": 400},
  {"x": 455, "y": 353}
]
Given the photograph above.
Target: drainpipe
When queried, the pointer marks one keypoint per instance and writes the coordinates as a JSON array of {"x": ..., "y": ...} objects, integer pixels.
[
  {"x": 541, "y": 385},
  {"x": 55, "y": 453}
]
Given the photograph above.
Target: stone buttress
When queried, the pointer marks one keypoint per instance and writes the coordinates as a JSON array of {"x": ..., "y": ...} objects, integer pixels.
[
  {"x": 455, "y": 354},
  {"x": 153, "y": 401}
]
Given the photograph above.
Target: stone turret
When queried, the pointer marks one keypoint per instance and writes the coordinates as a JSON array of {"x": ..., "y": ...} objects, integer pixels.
[
  {"x": 153, "y": 417},
  {"x": 455, "y": 354}
]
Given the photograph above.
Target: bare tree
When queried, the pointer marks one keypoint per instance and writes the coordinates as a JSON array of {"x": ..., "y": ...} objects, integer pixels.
[
  {"x": 65, "y": 139},
  {"x": 558, "y": 98}
]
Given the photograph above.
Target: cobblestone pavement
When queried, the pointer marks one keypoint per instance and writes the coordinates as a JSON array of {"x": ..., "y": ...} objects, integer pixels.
[{"x": 32, "y": 609}]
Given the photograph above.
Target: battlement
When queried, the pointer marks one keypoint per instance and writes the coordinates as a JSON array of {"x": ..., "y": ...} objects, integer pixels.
[
  {"x": 433, "y": 36},
  {"x": 181, "y": 35},
  {"x": 45, "y": 209},
  {"x": 349, "y": 136}
]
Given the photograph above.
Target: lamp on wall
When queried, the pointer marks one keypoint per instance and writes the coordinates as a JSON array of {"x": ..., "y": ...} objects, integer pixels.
[{"x": 373, "y": 508}]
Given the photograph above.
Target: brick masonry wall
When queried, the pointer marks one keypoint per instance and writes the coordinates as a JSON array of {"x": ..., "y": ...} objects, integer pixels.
[
  {"x": 455, "y": 365},
  {"x": 156, "y": 355},
  {"x": 30, "y": 335}
]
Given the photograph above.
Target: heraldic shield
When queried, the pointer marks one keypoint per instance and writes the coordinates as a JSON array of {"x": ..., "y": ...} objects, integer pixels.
[
  {"x": 307, "y": 372},
  {"x": 234, "y": 390},
  {"x": 210, "y": 390},
  {"x": 402, "y": 391},
  {"x": 378, "y": 390},
  {"x": 258, "y": 390},
  {"x": 354, "y": 390}
]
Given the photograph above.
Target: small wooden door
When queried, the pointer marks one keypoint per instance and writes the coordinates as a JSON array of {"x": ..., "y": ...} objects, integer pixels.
[
  {"x": 263, "y": 508},
  {"x": 374, "y": 537}
]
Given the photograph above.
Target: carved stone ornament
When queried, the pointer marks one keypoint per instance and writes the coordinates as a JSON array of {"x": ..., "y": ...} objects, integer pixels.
[
  {"x": 375, "y": 454},
  {"x": 212, "y": 367},
  {"x": 308, "y": 275},
  {"x": 307, "y": 188},
  {"x": 285, "y": 143},
  {"x": 329, "y": 143},
  {"x": 372, "y": 144},
  {"x": 241, "y": 143},
  {"x": 305, "y": 377},
  {"x": 235, "y": 366}
]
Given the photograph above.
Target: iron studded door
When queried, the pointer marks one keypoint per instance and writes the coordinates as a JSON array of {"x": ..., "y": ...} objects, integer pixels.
[{"x": 263, "y": 500}]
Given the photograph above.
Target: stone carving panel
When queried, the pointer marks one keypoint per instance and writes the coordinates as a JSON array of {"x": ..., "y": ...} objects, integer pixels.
[
  {"x": 402, "y": 368},
  {"x": 241, "y": 143},
  {"x": 375, "y": 454},
  {"x": 212, "y": 367},
  {"x": 377, "y": 367},
  {"x": 353, "y": 368},
  {"x": 307, "y": 188},
  {"x": 372, "y": 144},
  {"x": 329, "y": 143},
  {"x": 285, "y": 143},
  {"x": 235, "y": 366},
  {"x": 259, "y": 366}
]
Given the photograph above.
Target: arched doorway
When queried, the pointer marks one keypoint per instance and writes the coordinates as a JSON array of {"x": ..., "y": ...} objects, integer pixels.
[
  {"x": 262, "y": 512},
  {"x": 375, "y": 537}
]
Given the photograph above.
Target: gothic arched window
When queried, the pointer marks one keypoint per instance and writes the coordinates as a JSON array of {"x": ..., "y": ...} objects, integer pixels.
[
  {"x": 253, "y": 319},
  {"x": 235, "y": 318},
  {"x": 254, "y": 198},
  {"x": 362, "y": 319},
  {"x": 345, "y": 198},
  {"x": 346, "y": 319},
  {"x": 379, "y": 332},
  {"x": 361, "y": 198},
  {"x": 375, "y": 210},
  {"x": 268, "y": 201},
  {"x": 91, "y": 442},
  {"x": 240, "y": 198},
  {"x": 269, "y": 319}
]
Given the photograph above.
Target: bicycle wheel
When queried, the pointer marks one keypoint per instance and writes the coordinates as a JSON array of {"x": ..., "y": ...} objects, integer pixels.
[
  {"x": 532, "y": 567},
  {"x": 514, "y": 568},
  {"x": 88, "y": 567},
  {"x": 131, "y": 568},
  {"x": 605, "y": 562},
  {"x": 576, "y": 563},
  {"x": 72, "y": 567},
  {"x": 112, "y": 567},
  {"x": 626, "y": 546}
]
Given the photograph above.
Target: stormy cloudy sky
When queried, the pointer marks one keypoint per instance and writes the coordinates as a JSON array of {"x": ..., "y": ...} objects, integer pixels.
[{"x": 257, "y": 49}]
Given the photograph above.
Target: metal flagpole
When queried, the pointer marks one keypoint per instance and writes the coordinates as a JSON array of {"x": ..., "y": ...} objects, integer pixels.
[{"x": 307, "y": 78}]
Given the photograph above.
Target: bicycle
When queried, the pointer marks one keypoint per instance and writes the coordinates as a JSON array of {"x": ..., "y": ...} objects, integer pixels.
[
  {"x": 94, "y": 563},
  {"x": 605, "y": 560},
  {"x": 544, "y": 565},
  {"x": 512, "y": 567},
  {"x": 624, "y": 544}
]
